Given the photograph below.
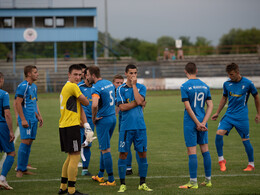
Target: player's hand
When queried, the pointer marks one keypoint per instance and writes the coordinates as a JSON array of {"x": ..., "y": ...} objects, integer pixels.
[
  {"x": 11, "y": 136},
  {"x": 39, "y": 118},
  {"x": 133, "y": 80},
  {"x": 201, "y": 127},
  {"x": 214, "y": 116},
  {"x": 257, "y": 118},
  {"x": 96, "y": 119},
  {"x": 25, "y": 123}
]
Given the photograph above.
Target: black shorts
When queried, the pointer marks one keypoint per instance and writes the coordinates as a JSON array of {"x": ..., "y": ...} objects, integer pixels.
[{"x": 70, "y": 139}]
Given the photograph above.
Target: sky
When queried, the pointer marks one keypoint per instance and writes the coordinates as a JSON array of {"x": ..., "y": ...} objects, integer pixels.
[{"x": 150, "y": 19}]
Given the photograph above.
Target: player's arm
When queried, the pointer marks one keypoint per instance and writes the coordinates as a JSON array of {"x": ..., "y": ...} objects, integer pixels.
[
  {"x": 39, "y": 116},
  {"x": 208, "y": 111},
  {"x": 127, "y": 106},
  {"x": 83, "y": 117},
  {"x": 257, "y": 105},
  {"x": 138, "y": 98},
  {"x": 200, "y": 126},
  {"x": 8, "y": 119},
  {"x": 18, "y": 104},
  {"x": 95, "y": 99},
  {"x": 222, "y": 103},
  {"x": 83, "y": 100}
]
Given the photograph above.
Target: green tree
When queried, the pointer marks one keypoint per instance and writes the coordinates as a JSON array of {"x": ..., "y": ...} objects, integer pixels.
[
  {"x": 148, "y": 51},
  {"x": 165, "y": 41},
  {"x": 185, "y": 41}
]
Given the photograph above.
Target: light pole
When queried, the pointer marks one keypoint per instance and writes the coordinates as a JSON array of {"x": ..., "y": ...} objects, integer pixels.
[{"x": 106, "y": 52}]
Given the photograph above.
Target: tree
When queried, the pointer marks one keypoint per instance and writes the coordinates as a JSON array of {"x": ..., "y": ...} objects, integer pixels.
[
  {"x": 202, "y": 41},
  {"x": 185, "y": 41},
  {"x": 165, "y": 41}
]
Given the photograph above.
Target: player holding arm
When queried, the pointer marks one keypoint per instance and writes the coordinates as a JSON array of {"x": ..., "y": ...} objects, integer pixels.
[
  {"x": 237, "y": 90},
  {"x": 195, "y": 94}
]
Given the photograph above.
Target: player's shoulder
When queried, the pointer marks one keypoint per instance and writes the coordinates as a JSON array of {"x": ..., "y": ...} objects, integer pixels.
[
  {"x": 3, "y": 93},
  {"x": 23, "y": 84}
]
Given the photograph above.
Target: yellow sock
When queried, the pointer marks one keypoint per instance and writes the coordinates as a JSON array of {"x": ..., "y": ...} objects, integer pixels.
[
  {"x": 64, "y": 172},
  {"x": 72, "y": 172}
]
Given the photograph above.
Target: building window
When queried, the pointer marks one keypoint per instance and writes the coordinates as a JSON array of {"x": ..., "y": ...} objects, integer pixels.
[
  {"x": 48, "y": 22},
  {"x": 7, "y": 22},
  {"x": 60, "y": 22}
]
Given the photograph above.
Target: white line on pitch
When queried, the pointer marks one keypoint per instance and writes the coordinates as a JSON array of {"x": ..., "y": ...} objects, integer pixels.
[{"x": 151, "y": 177}]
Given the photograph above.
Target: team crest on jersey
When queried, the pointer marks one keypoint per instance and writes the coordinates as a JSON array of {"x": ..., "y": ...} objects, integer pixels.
[{"x": 243, "y": 86}]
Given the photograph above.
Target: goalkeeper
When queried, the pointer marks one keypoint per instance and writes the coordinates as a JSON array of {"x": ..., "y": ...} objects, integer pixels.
[{"x": 86, "y": 131}]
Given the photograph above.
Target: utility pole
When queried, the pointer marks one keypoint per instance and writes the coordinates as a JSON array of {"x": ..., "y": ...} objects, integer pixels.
[{"x": 106, "y": 52}]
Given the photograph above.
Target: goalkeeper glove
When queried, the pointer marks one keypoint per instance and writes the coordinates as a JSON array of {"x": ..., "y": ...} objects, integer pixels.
[{"x": 89, "y": 133}]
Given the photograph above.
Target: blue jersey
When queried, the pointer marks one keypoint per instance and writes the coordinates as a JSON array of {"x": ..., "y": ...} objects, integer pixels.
[
  {"x": 238, "y": 94},
  {"x": 132, "y": 119},
  {"x": 86, "y": 91},
  {"x": 106, "y": 92},
  {"x": 4, "y": 104},
  {"x": 29, "y": 94},
  {"x": 196, "y": 92}
]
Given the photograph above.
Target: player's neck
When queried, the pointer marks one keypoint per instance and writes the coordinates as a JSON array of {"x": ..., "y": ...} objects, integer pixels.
[
  {"x": 29, "y": 80},
  {"x": 192, "y": 76},
  {"x": 97, "y": 79},
  {"x": 128, "y": 83}
]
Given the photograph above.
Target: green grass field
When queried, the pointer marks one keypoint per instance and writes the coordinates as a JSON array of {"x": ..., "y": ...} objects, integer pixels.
[{"x": 167, "y": 156}]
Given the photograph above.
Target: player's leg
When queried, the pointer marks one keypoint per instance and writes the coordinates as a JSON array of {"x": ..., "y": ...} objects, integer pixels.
[
  {"x": 87, "y": 154},
  {"x": 129, "y": 163},
  {"x": 64, "y": 176},
  {"x": 207, "y": 164},
  {"x": 7, "y": 147},
  {"x": 190, "y": 137},
  {"x": 108, "y": 125},
  {"x": 242, "y": 128},
  {"x": 140, "y": 144}
]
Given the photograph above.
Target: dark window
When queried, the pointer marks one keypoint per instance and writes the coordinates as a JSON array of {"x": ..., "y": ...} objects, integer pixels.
[
  {"x": 7, "y": 22},
  {"x": 48, "y": 22}
]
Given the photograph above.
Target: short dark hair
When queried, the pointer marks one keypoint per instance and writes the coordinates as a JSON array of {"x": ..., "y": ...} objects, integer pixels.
[
  {"x": 74, "y": 67},
  {"x": 83, "y": 66},
  {"x": 85, "y": 71},
  {"x": 94, "y": 70},
  {"x": 28, "y": 69},
  {"x": 130, "y": 66},
  {"x": 191, "y": 68},
  {"x": 118, "y": 76},
  {"x": 1, "y": 75},
  {"x": 231, "y": 67}
]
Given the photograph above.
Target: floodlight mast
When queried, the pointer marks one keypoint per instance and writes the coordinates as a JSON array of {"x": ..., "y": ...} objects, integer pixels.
[{"x": 106, "y": 52}]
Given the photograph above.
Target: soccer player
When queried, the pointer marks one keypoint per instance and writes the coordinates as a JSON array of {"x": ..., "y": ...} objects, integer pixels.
[
  {"x": 236, "y": 90},
  {"x": 6, "y": 135},
  {"x": 131, "y": 98},
  {"x": 85, "y": 88},
  {"x": 72, "y": 115},
  {"x": 28, "y": 117},
  {"x": 195, "y": 94},
  {"x": 103, "y": 116}
]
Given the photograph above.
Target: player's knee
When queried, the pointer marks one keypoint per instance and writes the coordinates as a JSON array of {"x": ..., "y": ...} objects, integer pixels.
[
  {"x": 11, "y": 154},
  {"x": 245, "y": 139},
  {"x": 123, "y": 155},
  {"x": 221, "y": 132}
]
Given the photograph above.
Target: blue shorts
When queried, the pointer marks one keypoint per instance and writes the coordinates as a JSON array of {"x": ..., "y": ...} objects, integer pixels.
[
  {"x": 105, "y": 128},
  {"x": 138, "y": 137},
  {"x": 193, "y": 137},
  {"x": 5, "y": 145},
  {"x": 29, "y": 132},
  {"x": 228, "y": 123}
]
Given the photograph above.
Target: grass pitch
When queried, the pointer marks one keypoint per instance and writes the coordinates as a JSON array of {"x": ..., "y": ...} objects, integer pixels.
[{"x": 167, "y": 156}]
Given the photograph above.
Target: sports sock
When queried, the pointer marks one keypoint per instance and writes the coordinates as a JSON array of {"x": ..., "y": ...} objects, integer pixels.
[
  {"x": 219, "y": 144},
  {"x": 129, "y": 160},
  {"x": 122, "y": 168},
  {"x": 137, "y": 157},
  {"x": 109, "y": 166},
  {"x": 87, "y": 154},
  {"x": 101, "y": 166},
  {"x": 207, "y": 163},
  {"x": 28, "y": 154},
  {"x": 22, "y": 157},
  {"x": 220, "y": 158},
  {"x": 143, "y": 167},
  {"x": 72, "y": 172},
  {"x": 249, "y": 150},
  {"x": 7, "y": 165},
  {"x": 193, "y": 165},
  {"x": 64, "y": 173}
]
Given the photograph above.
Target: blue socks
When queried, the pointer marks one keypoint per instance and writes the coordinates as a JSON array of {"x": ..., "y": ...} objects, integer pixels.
[
  {"x": 101, "y": 166},
  {"x": 122, "y": 168},
  {"x": 143, "y": 167},
  {"x": 193, "y": 165},
  {"x": 87, "y": 154},
  {"x": 129, "y": 159},
  {"x": 249, "y": 150},
  {"x": 219, "y": 144},
  {"x": 109, "y": 166},
  {"x": 7, "y": 165},
  {"x": 23, "y": 157},
  {"x": 207, "y": 163}
]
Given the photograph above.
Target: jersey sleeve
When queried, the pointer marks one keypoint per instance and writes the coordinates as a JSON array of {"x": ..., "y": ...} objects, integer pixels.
[
  {"x": 6, "y": 104},
  {"x": 208, "y": 95},
  {"x": 76, "y": 91},
  {"x": 253, "y": 89},
  {"x": 142, "y": 91},
  {"x": 120, "y": 96},
  {"x": 225, "y": 92},
  {"x": 184, "y": 94},
  {"x": 21, "y": 90}
]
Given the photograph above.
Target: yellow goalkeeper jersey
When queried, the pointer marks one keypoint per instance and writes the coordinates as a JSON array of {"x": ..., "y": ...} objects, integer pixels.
[{"x": 69, "y": 105}]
